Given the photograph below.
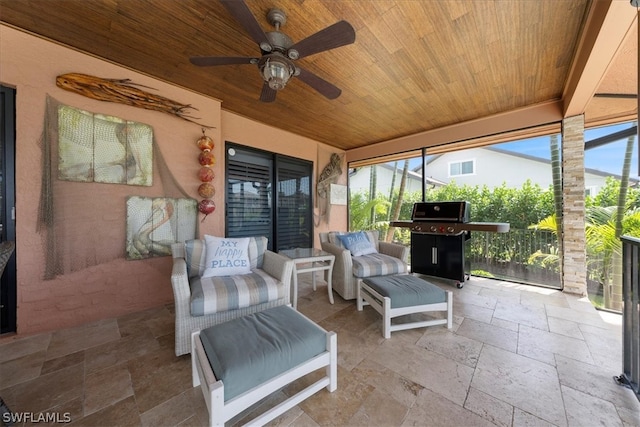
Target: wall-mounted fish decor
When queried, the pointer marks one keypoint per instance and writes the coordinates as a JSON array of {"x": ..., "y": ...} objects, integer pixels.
[{"x": 124, "y": 91}]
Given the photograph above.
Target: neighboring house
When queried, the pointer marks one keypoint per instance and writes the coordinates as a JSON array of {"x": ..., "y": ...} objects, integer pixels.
[
  {"x": 477, "y": 166},
  {"x": 493, "y": 166},
  {"x": 359, "y": 179}
]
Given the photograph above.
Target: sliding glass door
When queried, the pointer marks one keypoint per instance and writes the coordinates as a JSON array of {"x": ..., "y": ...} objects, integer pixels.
[
  {"x": 268, "y": 195},
  {"x": 8, "y": 288}
]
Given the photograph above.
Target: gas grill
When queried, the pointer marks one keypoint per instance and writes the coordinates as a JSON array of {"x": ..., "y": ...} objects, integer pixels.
[{"x": 440, "y": 232}]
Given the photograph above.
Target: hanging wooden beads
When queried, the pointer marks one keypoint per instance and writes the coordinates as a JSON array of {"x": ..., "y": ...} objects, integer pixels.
[{"x": 206, "y": 190}]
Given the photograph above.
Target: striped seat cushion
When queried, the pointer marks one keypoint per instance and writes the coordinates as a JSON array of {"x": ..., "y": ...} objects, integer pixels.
[
  {"x": 377, "y": 265},
  {"x": 222, "y": 293}
]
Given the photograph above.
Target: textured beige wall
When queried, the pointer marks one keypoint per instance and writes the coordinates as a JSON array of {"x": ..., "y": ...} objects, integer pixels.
[{"x": 31, "y": 65}]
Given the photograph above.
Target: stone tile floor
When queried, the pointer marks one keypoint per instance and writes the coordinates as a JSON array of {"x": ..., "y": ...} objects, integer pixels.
[{"x": 516, "y": 356}]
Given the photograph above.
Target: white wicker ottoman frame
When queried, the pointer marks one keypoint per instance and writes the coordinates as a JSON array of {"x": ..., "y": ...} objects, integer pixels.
[
  {"x": 221, "y": 411},
  {"x": 367, "y": 295}
]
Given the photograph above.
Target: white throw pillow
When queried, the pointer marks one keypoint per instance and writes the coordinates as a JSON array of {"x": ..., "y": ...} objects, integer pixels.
[{"x": 226, "y": 256}]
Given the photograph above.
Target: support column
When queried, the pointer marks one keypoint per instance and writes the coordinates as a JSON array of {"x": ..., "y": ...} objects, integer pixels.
[{"x": 574, "y": 260}]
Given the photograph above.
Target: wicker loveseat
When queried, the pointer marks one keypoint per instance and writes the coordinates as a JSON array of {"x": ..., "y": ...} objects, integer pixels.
[
  {"x": 348, "y": 270},
  {"x": 201, "y": 302}
]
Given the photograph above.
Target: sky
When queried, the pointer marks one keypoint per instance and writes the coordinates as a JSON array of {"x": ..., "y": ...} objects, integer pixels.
[{"x": 606, "y": 158}]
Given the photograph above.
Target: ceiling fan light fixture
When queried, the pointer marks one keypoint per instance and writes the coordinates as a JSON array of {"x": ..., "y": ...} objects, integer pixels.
[{"x": 277, "y": 73}]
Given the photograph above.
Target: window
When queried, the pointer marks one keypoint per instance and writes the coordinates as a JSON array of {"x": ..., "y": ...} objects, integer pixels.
[
  {"x": 513, "y": 185},
  {"x": 590, "y": 191},
  {"x": 294, "y": 214},
  {"x": 268, "y": 195},
  {"x": 466, "y": 167}
]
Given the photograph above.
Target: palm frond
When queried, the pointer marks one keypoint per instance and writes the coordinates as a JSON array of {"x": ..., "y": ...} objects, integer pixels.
[{"x": 547, "y": 224}]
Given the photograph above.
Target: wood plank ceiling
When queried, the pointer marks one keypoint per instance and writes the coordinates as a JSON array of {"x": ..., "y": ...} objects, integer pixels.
[{"x": 415, "y": 65}]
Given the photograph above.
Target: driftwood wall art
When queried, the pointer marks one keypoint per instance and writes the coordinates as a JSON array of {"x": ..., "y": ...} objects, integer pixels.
[
  {"x": 124, "y": 91},
  {"x": 329, "y": 175}
]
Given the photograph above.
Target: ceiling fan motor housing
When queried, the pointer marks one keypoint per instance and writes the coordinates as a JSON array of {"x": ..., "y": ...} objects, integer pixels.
[{"x": 279, "y": 41}]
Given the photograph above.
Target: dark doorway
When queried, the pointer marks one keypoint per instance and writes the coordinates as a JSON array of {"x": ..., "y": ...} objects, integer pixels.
[
  {"x": 268, "y": 195},
  {"x": 8, "y": 301}
]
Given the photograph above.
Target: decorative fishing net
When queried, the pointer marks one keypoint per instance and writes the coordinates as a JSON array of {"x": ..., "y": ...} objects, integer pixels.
[{"x": 106, "y": 193}]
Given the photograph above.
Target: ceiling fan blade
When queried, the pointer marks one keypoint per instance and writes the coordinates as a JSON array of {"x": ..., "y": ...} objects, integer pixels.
[
  {"x": 268, "y": 94},
  {"x": 336, "y": 35},
  {"x": 204, "y": 61},
  {"x": 318, "y": 83},
  {"x": 242, "y": 13}
]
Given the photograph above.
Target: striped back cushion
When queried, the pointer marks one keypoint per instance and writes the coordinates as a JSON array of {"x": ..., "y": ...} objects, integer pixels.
[
  {"x": 195, "y": 257},
  {"x": 257, "y": 246},
  {"x": 333, "y": 238},
  {"x": 195, "y": 254}
]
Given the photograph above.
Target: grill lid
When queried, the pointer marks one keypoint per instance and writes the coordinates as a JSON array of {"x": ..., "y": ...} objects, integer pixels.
[{"x": 441, "y": 211}]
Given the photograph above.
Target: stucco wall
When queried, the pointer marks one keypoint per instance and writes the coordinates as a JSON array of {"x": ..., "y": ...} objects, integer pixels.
[{"x": 30, "y": 65}]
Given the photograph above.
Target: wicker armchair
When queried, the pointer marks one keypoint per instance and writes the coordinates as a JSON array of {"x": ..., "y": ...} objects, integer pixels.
[
  {"x": 271, "y": 265},
  {"x": 348, "y": 271}
]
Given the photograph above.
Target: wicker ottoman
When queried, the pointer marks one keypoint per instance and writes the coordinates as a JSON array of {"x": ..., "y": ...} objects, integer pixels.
[
  {"x": 240, "y": 362},
  {"x": 403, "y": 294}
]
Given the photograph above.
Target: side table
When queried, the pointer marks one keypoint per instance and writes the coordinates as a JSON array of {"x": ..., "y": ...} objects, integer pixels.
[{"x": 319, "y": 260}]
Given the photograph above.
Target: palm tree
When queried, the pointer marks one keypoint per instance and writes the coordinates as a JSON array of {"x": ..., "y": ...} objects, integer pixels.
[
  {"x": 373, "y": 189},
  {"x": 556, "y": 172},
  {"x": 393, "y": 185},
  {"x": 601, "y": 237},
  {"x": 360, "y": 212},
  {"x": 613, "y": 299},
  {"x": 551, "y": 258},
  {"x": 396, "y": 209},
  {"x": 624, "y": 185},
  {"x": 604, "y": 245}
]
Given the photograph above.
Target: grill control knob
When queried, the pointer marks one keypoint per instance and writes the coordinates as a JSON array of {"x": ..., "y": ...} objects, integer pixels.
[
  {"x": 450, "y": 229},
  {"x": 434, "y": 228},
  {"x": 417, "y": 228}
]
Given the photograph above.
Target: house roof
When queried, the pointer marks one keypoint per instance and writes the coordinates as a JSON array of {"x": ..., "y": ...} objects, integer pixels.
[
  {"x": 415, "y": 174},
  {"x": 415, "y": 66},
  {"x": 538, "y": 160}
]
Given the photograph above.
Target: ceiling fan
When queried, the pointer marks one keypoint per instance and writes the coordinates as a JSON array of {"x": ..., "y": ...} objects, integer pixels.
[{"x": 279, "y": 53}]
